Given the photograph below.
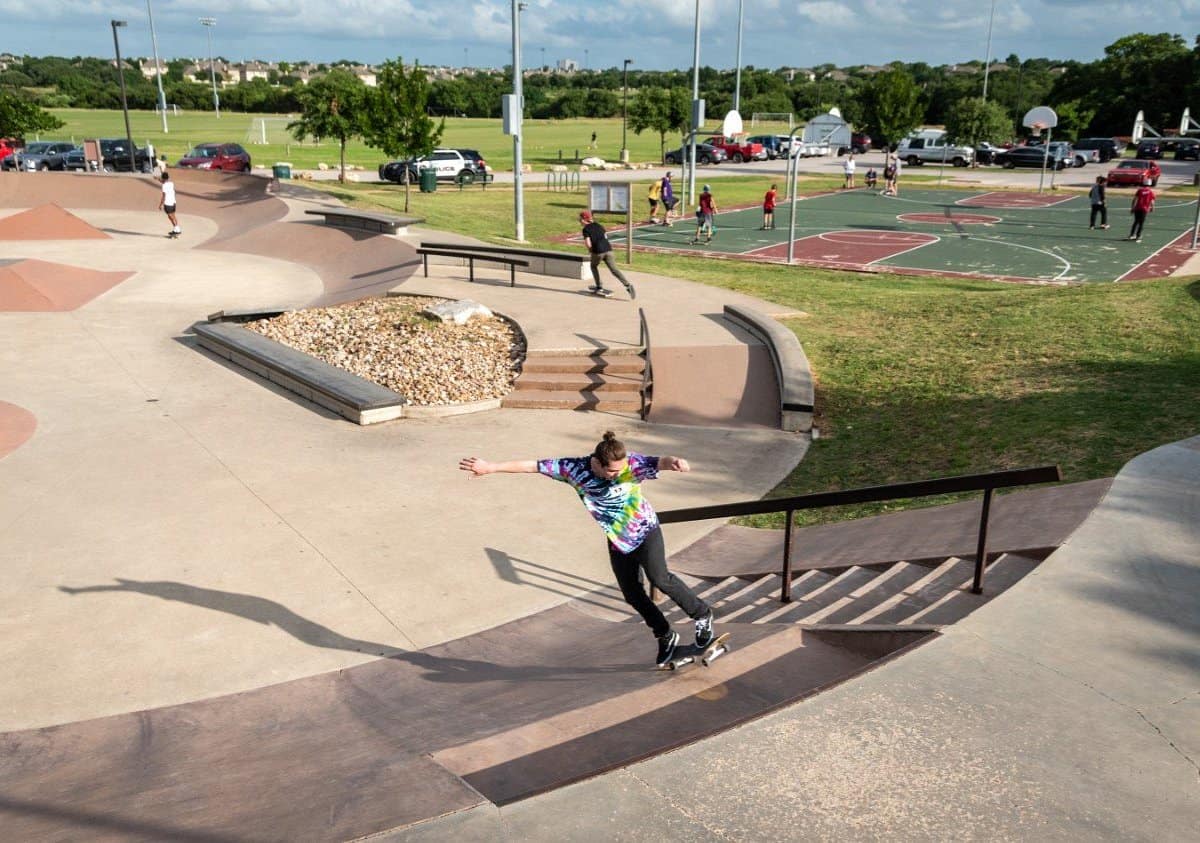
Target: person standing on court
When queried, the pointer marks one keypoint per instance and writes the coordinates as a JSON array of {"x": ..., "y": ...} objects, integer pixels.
[
  {"x": 889, "y": 177},
  {"x": 668, "y": 198},
  {"x": 1143, "y": 205},
  {"x": 601, "y": 250},
  {"x": 1099, "y": 203},
  {"x": 654, "y": 195},
  {"x": 166, "y": 203},
  {"x": 769, "y": 208},
  {"x": 705, "y": 211},
  {"x": 848, "y": 169},
  {"x": 609, "y": 484}
]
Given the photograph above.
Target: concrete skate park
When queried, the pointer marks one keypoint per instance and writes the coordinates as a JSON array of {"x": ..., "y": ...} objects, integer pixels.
[{"x": 234, "y": 615}]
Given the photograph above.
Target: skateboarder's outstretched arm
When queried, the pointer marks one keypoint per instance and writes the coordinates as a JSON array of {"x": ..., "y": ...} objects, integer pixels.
[
  {"x": 673, "y": 464},
  {"x": 479, "y": 466}
]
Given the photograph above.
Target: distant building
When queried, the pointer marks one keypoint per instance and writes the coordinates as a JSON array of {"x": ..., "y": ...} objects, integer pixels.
[
  {"x": 248, "y": 71},
  {"x": 568, "y": 65}
]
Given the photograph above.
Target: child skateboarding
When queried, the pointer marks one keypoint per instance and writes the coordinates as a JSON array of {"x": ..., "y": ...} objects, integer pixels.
[{"x": 608, "y": 482}]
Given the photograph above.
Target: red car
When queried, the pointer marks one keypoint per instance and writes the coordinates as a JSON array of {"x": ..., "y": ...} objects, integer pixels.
[
  {"x": 1134, "y": 173},
  {"x": 217, "y": 156}
]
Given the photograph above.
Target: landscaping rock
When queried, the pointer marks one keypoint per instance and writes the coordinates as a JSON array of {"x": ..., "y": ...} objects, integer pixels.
[{"x": 459, "y": 312}]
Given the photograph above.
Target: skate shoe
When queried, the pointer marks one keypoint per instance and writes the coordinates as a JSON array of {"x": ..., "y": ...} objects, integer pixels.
[
  {"x": 704, "y": 629},
  {"x": 632, "y": 292},
  {"x": 666, "y": 647}
]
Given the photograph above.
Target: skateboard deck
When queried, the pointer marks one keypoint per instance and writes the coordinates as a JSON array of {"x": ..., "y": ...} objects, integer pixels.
[{"x": 688, "y": 653}]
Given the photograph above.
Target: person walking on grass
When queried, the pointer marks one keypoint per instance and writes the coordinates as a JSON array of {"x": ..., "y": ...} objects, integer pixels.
[
  {"x": 609, "y": 484},
  {"x": 654, "y": 195},
  {"x": 668, "y": 198},
  {"x": 848, "y": 169},
  {"x": 769, "y": 209},
  {"x": 705, "y": 211},
  {"x": 601, "y": 250},
  {"x": 1143, "y": 205},
  {"x": 1099, "y": 205},
  {"x": 166, "y": 203}
]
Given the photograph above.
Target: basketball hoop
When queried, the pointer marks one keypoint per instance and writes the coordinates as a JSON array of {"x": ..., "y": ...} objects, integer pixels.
[{"x": 1036, "y": 129}]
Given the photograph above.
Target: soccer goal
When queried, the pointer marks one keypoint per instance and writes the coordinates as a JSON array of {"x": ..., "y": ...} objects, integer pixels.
[
  {"x": 765, "y": 119},
  {"x": 264, "y": 130}
]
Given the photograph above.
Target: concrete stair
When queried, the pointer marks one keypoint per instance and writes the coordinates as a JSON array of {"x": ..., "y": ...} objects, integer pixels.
[{"x": 587, "y": 379}]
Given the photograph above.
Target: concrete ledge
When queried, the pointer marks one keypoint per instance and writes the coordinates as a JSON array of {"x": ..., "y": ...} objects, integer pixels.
[
  {"x": 791, "y": 365},
  {"x": 350, "y": 396},
  {"x": 541, "y": 261},
  {"x": 365, "y": 220}
]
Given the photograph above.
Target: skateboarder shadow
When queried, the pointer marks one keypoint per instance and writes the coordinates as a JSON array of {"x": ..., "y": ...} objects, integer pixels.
[{"x": 263, "y": 611}]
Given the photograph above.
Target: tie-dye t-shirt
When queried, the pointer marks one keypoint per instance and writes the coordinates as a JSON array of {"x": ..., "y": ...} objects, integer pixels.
[{"x": 617, "y": 504}]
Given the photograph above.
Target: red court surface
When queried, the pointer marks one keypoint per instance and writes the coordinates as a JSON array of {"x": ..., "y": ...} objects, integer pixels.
[
  {"x": 48, "y": 222},
  {"x": 848, "y": 249},
  {"x": 1014, "y": 199},
  {"x": 40, "y": 286},
  {"x": 1163, "y": 262},
  {"x": 16, "y": 426}
]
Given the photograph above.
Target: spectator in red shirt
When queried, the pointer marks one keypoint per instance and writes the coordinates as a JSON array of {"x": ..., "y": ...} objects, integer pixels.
[
  {"x": 1143, "y": 204},
  {"x": 5, "y": 149}
]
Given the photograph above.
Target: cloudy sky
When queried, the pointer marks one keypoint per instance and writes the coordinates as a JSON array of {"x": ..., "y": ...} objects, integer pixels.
[{"x": 656, "y": 34}]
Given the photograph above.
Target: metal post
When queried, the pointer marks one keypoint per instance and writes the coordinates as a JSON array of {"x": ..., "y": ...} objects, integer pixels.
[
  {"x": 212, "y": 71},
  {"x": 695, "y": 96},
  {"x": 737, "y": 79},
  {"x": 625, "y": 110},
  {"x": 1196, "y": 224},
  {"x": 519, "y": 100},
  {"x": 162, "y": 97},
  {"x": 124, "y": 101},
  {"x": 785, "y": 594},
  {"x": 981, "y": 548},
  {"x": 987, "y": 63},
  {"x": 793, "y": 167}
]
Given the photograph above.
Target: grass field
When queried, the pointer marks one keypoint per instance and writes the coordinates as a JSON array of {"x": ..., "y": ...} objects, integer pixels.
[
  {"x": 542, "y": 142},
  {"x": 923, "y": 377}
]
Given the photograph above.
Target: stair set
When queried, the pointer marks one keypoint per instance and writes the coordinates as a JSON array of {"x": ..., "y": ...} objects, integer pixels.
[{"x": 604, "y": 379}]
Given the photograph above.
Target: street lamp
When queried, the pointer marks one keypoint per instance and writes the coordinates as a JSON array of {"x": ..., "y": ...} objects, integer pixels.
[
  {"x": 519, "y": 105},
  {"x": 624, "y": 108},
  {"x": 987, "y": 64},
  {"x": 162, "y": 97},
  {"x": 209, "y": 23},
  {"x": 737, "y": 85},
  {"x": 696, "y": 117},
  {"x": 124, "y": 101}
]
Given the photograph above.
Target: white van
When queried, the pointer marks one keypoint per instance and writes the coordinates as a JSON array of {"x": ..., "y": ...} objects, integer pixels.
[{"x": 929, "y": 146}]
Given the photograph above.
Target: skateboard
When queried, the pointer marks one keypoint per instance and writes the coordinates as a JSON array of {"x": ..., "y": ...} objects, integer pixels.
[{"x": 687, "y": 654}]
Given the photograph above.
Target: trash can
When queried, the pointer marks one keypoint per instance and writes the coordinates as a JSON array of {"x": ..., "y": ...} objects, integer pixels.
[
  {"x": 282, "y": 171},
  {"x": 428, "y": 180}
]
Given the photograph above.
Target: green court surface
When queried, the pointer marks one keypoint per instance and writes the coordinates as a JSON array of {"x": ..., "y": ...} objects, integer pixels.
[{"x": 992, "y": 234}]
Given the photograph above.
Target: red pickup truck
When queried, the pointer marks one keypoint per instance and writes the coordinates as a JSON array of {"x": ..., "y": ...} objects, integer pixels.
[{"x": 739, "y": 152}]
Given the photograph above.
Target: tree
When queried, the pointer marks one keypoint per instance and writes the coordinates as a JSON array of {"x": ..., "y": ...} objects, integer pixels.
[
  {"x": 19, "y": 117},
  {"x": 332, "y": 107},
  {"x": 396, "y": 119},
  {"x": 661, "y": 110},
  {"x": 973, "y": 119},
  {"x": 891, "y": 105}
]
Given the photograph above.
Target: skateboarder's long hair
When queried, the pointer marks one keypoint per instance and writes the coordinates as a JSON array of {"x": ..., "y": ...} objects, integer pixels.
[{"x": 610, "y": 449}]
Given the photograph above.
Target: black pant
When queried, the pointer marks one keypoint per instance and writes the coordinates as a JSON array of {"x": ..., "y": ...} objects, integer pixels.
[
  {"x": 651, "y": 557},
  {"x": 1102, "y": 210},
  {"x": 1139, "y": 219}
]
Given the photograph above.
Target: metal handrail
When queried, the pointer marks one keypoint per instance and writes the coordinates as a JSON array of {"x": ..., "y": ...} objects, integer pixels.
[
  {"x": 986, "y": 483},
  {"x": 647, "y": 389}
]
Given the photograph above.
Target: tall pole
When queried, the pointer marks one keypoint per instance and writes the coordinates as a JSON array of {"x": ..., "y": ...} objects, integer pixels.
[
  {"x": 625, "y": 109},
  {"x": 695, "y": 113},
  {"x": 162, "y": 97},
  {"x": 212, "y": 72},
  {"x": 585, "y": 58},
  {"x": 124, "y": 101},
  {"x": 737, "y": 84},
  {"x": 519, "y": 100},
  {"x": 987, "y": 64}
]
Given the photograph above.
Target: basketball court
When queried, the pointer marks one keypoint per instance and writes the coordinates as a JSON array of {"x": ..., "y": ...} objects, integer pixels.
[{"x": 1030, "y": 237}]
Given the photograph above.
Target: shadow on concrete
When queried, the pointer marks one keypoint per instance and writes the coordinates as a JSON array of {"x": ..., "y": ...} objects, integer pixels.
[
  {"x": 535, "y": 575},
  {"x": 92, "y": 823}
]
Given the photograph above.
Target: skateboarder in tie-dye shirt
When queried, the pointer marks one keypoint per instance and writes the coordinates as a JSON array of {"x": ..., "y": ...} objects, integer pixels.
[{"x": 609, "y": 483}]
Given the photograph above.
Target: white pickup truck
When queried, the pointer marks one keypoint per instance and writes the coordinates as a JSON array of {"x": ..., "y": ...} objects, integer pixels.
[{"x": 930, "y": 147}]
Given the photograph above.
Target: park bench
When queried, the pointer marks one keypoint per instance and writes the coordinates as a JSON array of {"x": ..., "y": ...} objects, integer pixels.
[
  {"x": 364, "y": 220},
  {"x": 541, "y": 261},
  {"x": 470, "y": 257}
]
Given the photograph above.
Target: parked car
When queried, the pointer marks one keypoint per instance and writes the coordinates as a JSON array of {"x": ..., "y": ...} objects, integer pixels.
[
  {"x": 1076, "y": 158},
  {"x": 1149, "y": 148},
  {"x": 230, "y": 157},
  {"x": 986, "y": 153},
  {"x": 114, "y": 154},
  {"x": 776, "y": 146},
  {"x": 706, "y": 153},
  {"x": 859, "y": 143},
  {"x": 39, "y": 155},
  {"x": 931, "y": 146},
  {"x": 1109, "y": 148},
  {"x": 1187, "y": 148},
  {"x": 1134, "y": 173},
  {"x": 738, "y": 152},
  {"x": 464, "y": 165},
  {"x": 1034, "y": 156}
]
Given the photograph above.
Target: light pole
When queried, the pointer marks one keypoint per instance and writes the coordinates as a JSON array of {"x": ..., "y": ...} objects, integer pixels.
[
  {"x": 624, "y": 108},
  {"x": 162, "y": 97},
  {"x": 519, "y": 104},
  {"x": 737, "y": 84},
  {"x": 209, "y": 23},
  {"x": 124, "y": 101},
  {"x": 585, "y": 58},
  {"x": 987, "y": 64},
  {"x": 543, "y": 49},
  {"x": 695, "y": 109}
]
